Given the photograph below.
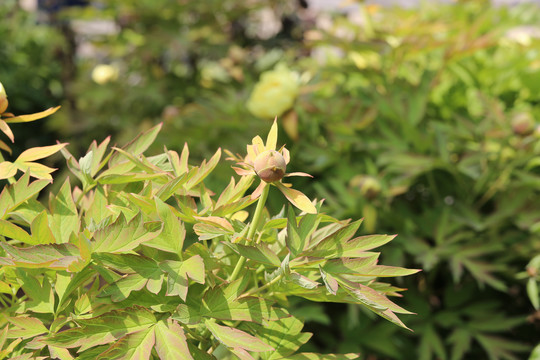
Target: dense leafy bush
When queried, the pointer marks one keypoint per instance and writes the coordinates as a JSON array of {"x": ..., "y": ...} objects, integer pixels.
[
  {"x": 144, "y": 261},
  {"x": 430, "y": 133},
  {"x": 423, "y": 122}
]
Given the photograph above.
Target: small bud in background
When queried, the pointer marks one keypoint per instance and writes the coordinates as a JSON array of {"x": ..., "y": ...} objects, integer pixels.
[
  {"x": 103, "y": 74},
  {"x": 270, "y": 166},
  {"x": 3, "y": 99},
  {"x": 523, "y": 124},
  {"x": 369, "y": 186}
]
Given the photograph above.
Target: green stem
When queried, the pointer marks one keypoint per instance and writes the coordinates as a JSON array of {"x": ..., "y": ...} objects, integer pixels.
[
  {"x": 252, "y": 229},
  {"x": 265, "y": 286}
]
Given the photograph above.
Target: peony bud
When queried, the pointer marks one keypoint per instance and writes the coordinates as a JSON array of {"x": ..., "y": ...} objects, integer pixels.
[
  {"x": 369, "y": 186},
  {"x": 523, "y": 124},
  {"x": 270, "y": 166},
  {"x": 3, "y": 99}
]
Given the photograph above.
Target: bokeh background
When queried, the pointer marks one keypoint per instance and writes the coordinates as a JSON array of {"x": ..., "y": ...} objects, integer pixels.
[{"x": 419, "y": 116}]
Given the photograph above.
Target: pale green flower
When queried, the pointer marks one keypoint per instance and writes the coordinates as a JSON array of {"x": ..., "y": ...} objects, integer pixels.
[
  {"x": 104, "y": 73},
  {"x": 275, "y": 92}
]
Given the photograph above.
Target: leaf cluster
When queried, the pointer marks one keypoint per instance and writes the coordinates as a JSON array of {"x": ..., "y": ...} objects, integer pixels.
[{"x": 141, "y": 261}]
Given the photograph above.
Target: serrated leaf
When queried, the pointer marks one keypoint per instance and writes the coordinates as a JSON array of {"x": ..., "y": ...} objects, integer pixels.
[
  {"x": 41, "y": 232},
  {"x": 65, "y": 219},
  {"x": 134, "y": 346},
  {"x": 104, "y": 329},
  {"x": 12, "y": 231},
  {"x": 219, "y": 304},
  {"x": 41, "y": 293},
  {"x": 234, "y": 338},
  {"x": 204, "y": 170},
  {"x": 329, "y": 281},
  {"x": 97, "y": 211},
  {"x": 36, "y": 170},
  {"x": 284, "y": 335},
  {"x": 293, "y": 240},
  {"x": 52, "y": 256},
  {"x": 121, "y": 289},
  {"x": 234, "y": 191},
  {"x": 171, "y": 238},
  {"x": 171, "y": 342},
  {"x": 59, "y": 353},
  {"x": 297, "y": 198},
  {"x": 26, "y": 327},
  {"x": 14, "y": 195},
  {"x": 122, "y": 237},
  {"x": 302, "y": 281},
  {"x": 178, "y": 273},
  {"x": 138, "y": 145},
  {"x": 333, "y": 244},
  {"x": 259, "y": 252}
]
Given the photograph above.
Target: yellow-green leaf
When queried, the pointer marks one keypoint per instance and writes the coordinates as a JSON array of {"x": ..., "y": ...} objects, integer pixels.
[
  {"x": 297, "y": 198},
  {"x": 39, "y": 152},
  {"x": 234, "y": 338},
  {"x": 171, "y": 342},
  {"x": 31, "y": 117},
  {"x": 7, "y": 169},
  {"x": 271, "y": 139},
  {"x": 4, "y": 127}
]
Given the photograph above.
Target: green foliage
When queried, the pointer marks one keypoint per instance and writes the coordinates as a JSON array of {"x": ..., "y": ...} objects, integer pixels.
[
  {"x": 425, "y": 126},
  {"x": 144, "y": 261},
  {"x": 420, "y": 121}
]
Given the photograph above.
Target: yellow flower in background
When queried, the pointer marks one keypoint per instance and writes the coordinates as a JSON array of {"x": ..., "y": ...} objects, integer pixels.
[
  {"x": 103, "y": 74},
  {"x": 3, "y": 99},
  {"x": 274, "y": 93}
]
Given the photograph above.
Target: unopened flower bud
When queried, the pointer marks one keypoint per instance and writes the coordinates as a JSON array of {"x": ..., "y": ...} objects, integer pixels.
[
  {"x": 523, "y": 124},
  {"x": 3, "y": 99},
  {"x": 270, "y": 166},
  {"x": 369, "y": 186}
]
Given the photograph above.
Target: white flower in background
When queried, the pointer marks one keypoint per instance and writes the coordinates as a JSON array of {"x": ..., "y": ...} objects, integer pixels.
[
  {"x": 103, "y": 74},
  {"x": 275, "y": 92}
]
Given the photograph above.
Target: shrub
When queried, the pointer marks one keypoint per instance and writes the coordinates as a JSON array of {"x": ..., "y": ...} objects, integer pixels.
[{"x": 144, "y": 261}]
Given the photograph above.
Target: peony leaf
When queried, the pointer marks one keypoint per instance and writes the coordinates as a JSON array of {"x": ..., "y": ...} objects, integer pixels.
[
  {"x": 31, "y": 117},
  {"x": 39, "y": 153},
  {"x": 297, "y": 198},
  {"x": 4, "y": 127},
  {"x": 171, "y": 342},
  {"x": 234, "y": 338},
  {"x": 134, "y": 346},
  {"x": 7, "y": 169},
  {"x": 284, "y": 335}
]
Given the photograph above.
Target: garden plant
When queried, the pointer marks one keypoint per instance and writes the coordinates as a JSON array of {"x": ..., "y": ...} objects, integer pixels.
[
  {"x": 421, "y": 121},
  {"x": 141, "y": 260}
]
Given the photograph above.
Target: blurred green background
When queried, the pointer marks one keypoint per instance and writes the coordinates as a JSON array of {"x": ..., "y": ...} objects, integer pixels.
[{"x": 423, "y": 121}]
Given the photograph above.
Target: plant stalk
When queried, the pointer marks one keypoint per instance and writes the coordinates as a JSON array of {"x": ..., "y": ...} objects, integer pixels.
[{"x": 252, "y": 229}]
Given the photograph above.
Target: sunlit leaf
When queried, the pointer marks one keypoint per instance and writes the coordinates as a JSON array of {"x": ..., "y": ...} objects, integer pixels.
[
  {"x": 121, "y": 237},
  {"x": 31, "y": 117},
  {"x": 297, "y": 198},
  {"x": 235, "y": 338},
  {"x": 39, "y": 153},
  {"x": 171, "y": 341}
]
